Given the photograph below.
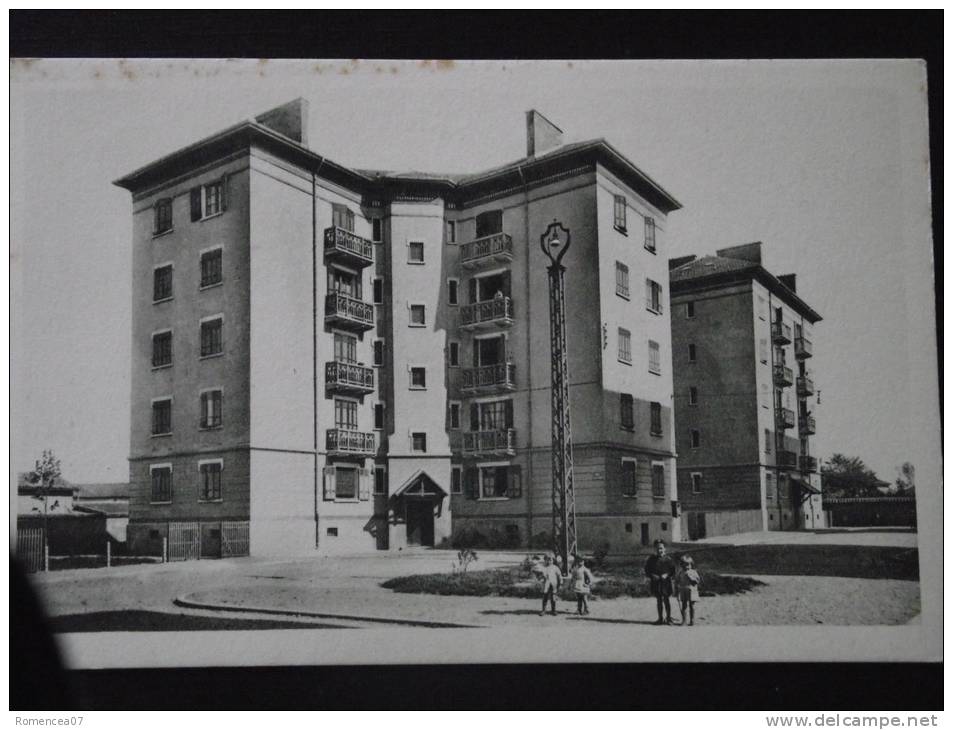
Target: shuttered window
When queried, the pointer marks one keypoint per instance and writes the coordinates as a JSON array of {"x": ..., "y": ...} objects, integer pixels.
[
  {"x": 619, "y": 210},
  {"x": 658, "y": 480},
  {"x": 345, "y": 486},
  {"x": 653, "y": 296},
  {"x": 621, "y": 279},
  {"x": 162, "y": 283},
  {"x": 655, "y": 358},
  {"x": 161, "y": 349},
  {"x": 656, "y": 419},
  {"x": 163, "y": 217},
  {"x": 650, "y": 234},
  {"x": 625, "y": 345},
  {"x": 162, "y": 417},
  {"x": 345, "y": 414},
  {"x": 627, "y": 411},
  {"x": 342, "y": 217},
  {"x": 489, "y": 222},
  {"x": 161, "y": 484},
  {"x": 211, "y": 409},
  {"x": 211, "y": 268},
  {"x": 210, "y": 481},
  {"x": 211, "y": 337},
  {"x": 629, "y": 486}
]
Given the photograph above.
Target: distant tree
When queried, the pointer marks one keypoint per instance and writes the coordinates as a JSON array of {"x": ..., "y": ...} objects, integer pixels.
[
  {"x": 906, "y": 482},
  {"x": 46, "y": 472},
  {"x": 849, "y": 476}
]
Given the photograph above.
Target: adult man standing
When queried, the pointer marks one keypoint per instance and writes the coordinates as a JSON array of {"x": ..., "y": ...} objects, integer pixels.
[{"x": 660, "y": 568}]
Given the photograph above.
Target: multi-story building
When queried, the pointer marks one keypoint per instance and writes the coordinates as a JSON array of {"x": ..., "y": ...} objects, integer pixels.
[
  {"x": 742, "y": 346},
  {"x": 351, "y": 359}
]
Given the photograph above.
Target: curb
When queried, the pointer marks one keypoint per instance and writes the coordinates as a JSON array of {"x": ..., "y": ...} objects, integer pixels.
[{"x": 185, "y": 602}]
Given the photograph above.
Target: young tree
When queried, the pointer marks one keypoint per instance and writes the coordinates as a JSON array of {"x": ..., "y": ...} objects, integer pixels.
[
  {"x": 46, "y": 472},
  {"x": 848, "y": 476},
  {"x": 906, "y": 482}
]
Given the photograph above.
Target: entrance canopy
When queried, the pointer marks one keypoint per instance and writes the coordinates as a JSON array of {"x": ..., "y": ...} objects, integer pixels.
[
  {"x": 807, "y": 489},
  {"x": 421, "y": 485}
]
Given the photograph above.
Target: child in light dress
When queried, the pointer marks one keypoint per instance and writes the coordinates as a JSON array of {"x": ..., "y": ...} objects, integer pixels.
[
  {"x": 581, "y": 582},
  {"x": 687, "y": 582}
]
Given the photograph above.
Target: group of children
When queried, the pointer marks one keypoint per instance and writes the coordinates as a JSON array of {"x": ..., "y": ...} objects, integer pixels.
[{"x": 663, "y": 575}]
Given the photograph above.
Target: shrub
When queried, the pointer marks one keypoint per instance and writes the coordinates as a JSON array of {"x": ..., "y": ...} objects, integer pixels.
[
  {"x": 464, "y": 558},
  {"x": 492, "y": 539},
  {"x": 541, "y": 541},
  {"x": 599, "y": 557}
]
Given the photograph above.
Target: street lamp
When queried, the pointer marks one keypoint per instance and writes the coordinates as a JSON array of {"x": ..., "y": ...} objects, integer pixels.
[{"x": 564, "y": 501}]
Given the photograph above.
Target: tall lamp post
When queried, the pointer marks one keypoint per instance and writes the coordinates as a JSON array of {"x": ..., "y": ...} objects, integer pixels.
[{"x": 564, "y": 501}]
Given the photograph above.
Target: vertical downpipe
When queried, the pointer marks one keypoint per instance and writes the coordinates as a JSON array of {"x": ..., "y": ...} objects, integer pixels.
[
  {"x": 529, "y": 370},
  {"x": 314, "y": 342}
]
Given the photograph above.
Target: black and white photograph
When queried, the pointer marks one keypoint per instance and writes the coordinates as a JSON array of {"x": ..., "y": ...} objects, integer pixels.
[{"x": 403, "y": 362}]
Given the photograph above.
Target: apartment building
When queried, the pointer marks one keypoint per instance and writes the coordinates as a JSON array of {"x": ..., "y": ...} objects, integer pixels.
[
  {"x": 744, "y": 396},
  {"x": 349, "y": 360}
]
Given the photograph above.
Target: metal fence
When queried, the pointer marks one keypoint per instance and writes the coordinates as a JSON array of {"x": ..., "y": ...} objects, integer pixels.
[
  {"x": 185, "y": 541},
  {"x": 234, "y": 539},
  {"x": 30, "y": 549}
]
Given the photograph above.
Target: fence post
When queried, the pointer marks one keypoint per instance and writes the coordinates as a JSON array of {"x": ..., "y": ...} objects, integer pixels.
[
  {"x": 165, "y": 550},
  {"x": 108, "y": 553},
  {"x": 46, "y": 555}
]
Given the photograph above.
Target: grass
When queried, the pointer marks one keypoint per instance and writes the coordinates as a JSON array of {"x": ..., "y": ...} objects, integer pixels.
[{"x": 159, "y": 621}]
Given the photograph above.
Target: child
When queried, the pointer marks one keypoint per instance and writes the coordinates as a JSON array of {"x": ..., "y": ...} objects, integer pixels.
[
  {"x": 552, "y": 579},
  {"x": 581, "y": 581},
  {"x": 688, "y": 580}
]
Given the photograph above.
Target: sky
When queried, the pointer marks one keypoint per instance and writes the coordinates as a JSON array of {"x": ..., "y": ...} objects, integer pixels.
[{"x": 824, "y": 162}]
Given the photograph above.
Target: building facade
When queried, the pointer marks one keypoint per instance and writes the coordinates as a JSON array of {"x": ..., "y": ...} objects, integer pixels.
[
  {"x": 353, "y": 360},
  {"x": 744, "y": 396}
]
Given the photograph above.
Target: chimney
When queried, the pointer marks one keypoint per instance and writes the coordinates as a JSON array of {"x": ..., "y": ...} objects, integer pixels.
[
  {"x": 680, "y": 261},
  {"x": 788, "y": 281},
  {"x": 541, "y": 134},
  {"x": 746, "y": 252},
  {"x": 290, "y": 120}
]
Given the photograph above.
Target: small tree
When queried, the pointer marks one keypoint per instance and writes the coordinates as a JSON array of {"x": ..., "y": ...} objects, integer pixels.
[
  {"x": 906, "y": 478},
  {"x": 45, "y": 475}
]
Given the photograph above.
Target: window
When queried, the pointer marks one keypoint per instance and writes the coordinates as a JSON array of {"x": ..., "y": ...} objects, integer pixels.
[
  {"x": 162, "y": 349},
  {"x": 345, "y": 482},
  {"x": 655, "y": 358},
  {"x": 162, "y": 283},
  {"x": 161, "y": 416},
  {"x": 379, "y": 416},
  {"x": 456, "y": 480},
  {"x": 621, "y": 280},
  {"x": 345, "y": 348},
  {"x": 653, "y": 296},
  {"x": 763, "y": 349},
  {"x": 342, "y": 217},
  {"x": 762, "y": 308},
  {"x": 769, "y": 490},
  {"x": 650, "y": 234},
  {"x": 344, "y": 282},
  {"x": 618, "y": 212},
  {"x": 207, "y": 200},
  {"x": 418, "y": 378},
  {"x": 210, "y": 481},
  {"x": 380, "y": 481},
  {"x": 489, "y": 222},
  {"x": 626, "y": 411},
  {"x": 691, "y": 352},
  {"x": 332, "y": 532},
  {"x": 451, "y": 231},
  {"x": 345, "y": 414},
  {"x": 161, "y": 483},
  {"x": 696, "y": 482},
  {"x": 689, "y": 310},
  {"x": 415, "y": 252},
  {"x": 418, "y": 315},
  {"x": 692, "y": 395},
  {"x": 211, "y": 268},
  {"x": 491, "y": 416},
  {"x": 655, "y": 425},
  {"x": 454, "y": 415},
  {"x": 696, "y": 438},
  {"x": 453, "y": 292},
  {"x": 500, "y": 482},
  {"x": 210, "y": 408},
  {"x": 629, "y": 485},
  {"x": 453, "y": 354},
  {"x": 625, "y": 345},
  {"x": 378, "y": 353},
  {"x": 418, "y": 441},
  {"x": 377, "y": 230},
  {"x": 378, "y": 288},
  {"x": 163, "y": 217},
  {"x": 767, "y": 441},
  {"x": 212, "y": 195},
  {"x": 658, "y": 481},
  {"x": 211, "y": 337}
]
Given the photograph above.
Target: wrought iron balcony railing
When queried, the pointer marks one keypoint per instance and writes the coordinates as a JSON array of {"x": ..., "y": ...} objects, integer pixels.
[
  {"x": 348, "y": 313},
  {"x": 781, "y": 333},
  {"x": 807, "y": 464},
  {"x": 348, "y": 377},
  {"x": 783, "y": 376},
  {"x": 497, "y": 311},
  {"x": 347, "y": 247},
  {"x": 803, "y": 348},
  {"x": 489, "y": 378},
  {"x": 787, "y": 459},
  {"x": 806, "y": 424},
  {"x": 344, "y": 441},
  {"x": 785, "y": 418},
  {"x": 495, "y": 248},
  {"x": 490, "y": 443},
  {"x": 805, "y": 386}
]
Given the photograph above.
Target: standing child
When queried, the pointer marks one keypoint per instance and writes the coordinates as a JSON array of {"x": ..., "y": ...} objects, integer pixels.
[
  {"x": 581, "y": 582},
  {"x": 688, "y": 580},
  {"x": 552, "y": 579}
]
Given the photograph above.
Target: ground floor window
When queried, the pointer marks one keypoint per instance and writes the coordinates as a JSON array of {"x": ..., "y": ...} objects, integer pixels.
[
  {"x": 380, "y": 480},
  {"x": 456, "y": 480},
  {"x": 161, "y": 483},
  {"x": 494, "y": 481},
  {"x": 658, "y": 480},
  {"x": 345, "y": 483},
  {"x": 210, "y": 486}
]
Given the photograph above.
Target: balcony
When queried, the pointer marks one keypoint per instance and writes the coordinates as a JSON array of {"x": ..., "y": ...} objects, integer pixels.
[
  {"x": 496, "y": 312},
  {"x": 346, "y": 312},
  {"x": 785, "y": 418},
  {"x": 783, "y": 376},
  {"x": 347, "y": 248},
  {"x": 787, "y": 459},
  {"x": 489, "y": 443},
  {"x": 807, "y": 464},
  {"x": 493, "y": 249},
  {"x": 803, "y": 348},
  {"x": 487, "y": 379},
  {"x": 805, "y": 386},
  {"x": 342, "y": 442},
  {"x": 806, "y": 424},
  {"x": 780, "y": 333},
  {"x": 348, "y": 378}
]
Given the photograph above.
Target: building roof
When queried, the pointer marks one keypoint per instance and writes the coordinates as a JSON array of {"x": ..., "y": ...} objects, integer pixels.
[
  {"x": 714, "y": 271},
  {"x": 377, "y": 182},
  {"x": 108, "y": 508},
  {"x": 102, "y": 490}
]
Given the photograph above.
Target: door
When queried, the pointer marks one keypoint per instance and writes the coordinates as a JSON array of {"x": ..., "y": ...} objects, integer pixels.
[
  {"x": 211, "y": 543},
  {"x": 420, "y": 522},
  {"x": 696, "y": 525}
]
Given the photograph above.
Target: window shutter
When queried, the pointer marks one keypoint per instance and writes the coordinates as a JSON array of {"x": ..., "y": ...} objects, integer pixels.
[
  {"x": 514, "y": 486},
  {"x": 224, "y": 200},
  {"x": 329, "y": 483},
  {"x": 364, "y": 484},
  {"x": 474, "y": 417},
  {"x": 195, "y": 201},
  {"x": 508, "y": 414},
  {"x": 473, "y": 290},
  {"x": 204, "y": 407},
  {"x": 506, "y": 284},
  {"x": 470, "y": 483},
  {"x": 476, "y": 353}
]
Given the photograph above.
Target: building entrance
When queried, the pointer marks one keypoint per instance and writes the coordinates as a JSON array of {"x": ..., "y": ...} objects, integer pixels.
[{"x": 420, "y": 522}]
